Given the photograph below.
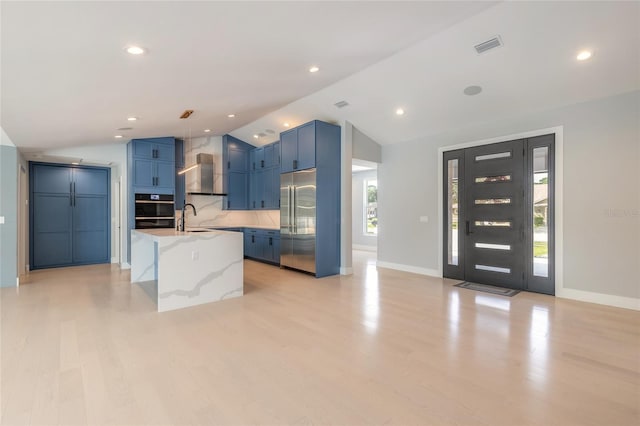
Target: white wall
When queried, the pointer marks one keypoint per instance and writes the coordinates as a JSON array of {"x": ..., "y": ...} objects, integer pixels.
[
  {"x": 360, "y": 239},
  {"x": 601, "y": 196},
  {"x": 8, "y": 211}
]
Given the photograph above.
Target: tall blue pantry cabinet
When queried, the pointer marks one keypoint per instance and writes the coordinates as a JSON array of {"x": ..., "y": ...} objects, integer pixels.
[
  {"x": 152, "y": 170},
  {"x": 69, "y": 215}
]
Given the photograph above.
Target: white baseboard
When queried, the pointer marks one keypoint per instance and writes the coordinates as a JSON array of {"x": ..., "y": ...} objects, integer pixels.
[
  {"x": 600, "y": 298},
  {"x": 125, "y": 265},
  {"x": 346, "y": 271},
  {"x": 364, "y": 248},
  {"x": 409, "y": 268},
  {"x": 114, "y": 260}
]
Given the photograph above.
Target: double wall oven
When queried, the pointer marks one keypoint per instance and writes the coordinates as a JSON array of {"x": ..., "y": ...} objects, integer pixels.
[{"x": 154, "y": 211}]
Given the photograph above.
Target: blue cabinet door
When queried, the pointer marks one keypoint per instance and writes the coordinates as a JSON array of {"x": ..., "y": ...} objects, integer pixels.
[
  {"x": 51, "y": 232},
  {"x": 90, "y": 216},
  {"x": 275, "y": 159},
  {"x": 259, "y": 158},
  {"x": 165, "y": 175},
  {"x": 143, "y": 149},
  {"x": 307, "y": 146},
  {"x": 238, "y": 159},
  {"x": 276, "y": 250},
  {"x": 288, "y": 150},
  {"x": 165, "y": 152},
  {"x": 237, "y": 198},
  {"x": 143, "y": 172}
]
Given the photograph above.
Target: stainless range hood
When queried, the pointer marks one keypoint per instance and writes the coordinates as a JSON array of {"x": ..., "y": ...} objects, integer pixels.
[{"x": 203, "y": 170}]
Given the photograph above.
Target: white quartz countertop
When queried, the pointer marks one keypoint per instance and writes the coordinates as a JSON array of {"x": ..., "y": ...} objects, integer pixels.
[
  {"x": 268, "y": 227},
  {"x": 172, "y": 233}
]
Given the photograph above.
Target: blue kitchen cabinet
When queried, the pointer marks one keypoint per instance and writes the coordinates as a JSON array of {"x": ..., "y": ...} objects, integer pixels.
[
  {"x": 298, "y": 147},
  {"x": 264, "y": 183},
  {"x": 152, "y": 163},
  {"x": 69, "y": 214},
  {"x": 262, "y": 245},
  {"x": 235, "y": 177}
]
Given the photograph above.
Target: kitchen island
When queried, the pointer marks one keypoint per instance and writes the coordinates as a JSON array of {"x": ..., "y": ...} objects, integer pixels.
[{"x": 181, "y": 269}]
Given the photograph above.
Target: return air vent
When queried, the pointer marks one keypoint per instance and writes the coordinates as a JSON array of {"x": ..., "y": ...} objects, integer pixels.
[
  {"x": 488, "y": 45},
  {"x": 341, "y": 104},
  {"x": 262, "y": 135}
]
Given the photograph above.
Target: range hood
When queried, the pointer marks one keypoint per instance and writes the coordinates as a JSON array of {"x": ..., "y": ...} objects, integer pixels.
[{"x": 203, "y": 170}]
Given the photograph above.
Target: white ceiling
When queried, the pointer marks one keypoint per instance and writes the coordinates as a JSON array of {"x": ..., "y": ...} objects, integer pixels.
[
  {"x": 66, "y": 80},
  {"x": 536, "y": 69}
]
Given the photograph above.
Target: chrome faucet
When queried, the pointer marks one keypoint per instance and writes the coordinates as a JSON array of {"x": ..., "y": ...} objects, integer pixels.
[{"x": 182, "y": 224}]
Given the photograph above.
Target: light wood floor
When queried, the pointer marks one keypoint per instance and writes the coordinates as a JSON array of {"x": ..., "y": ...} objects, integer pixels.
[{"x": 84, "y": 346}]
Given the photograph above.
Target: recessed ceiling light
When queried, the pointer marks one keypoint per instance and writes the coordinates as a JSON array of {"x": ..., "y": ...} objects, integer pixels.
[
  {"x": 132, "y": 118},
  {"x": 399, "y": 111},
  {"x": 256, "y": 136},
  {"x": 135, "y": 50},
  {"x": 285, "y": 124},
  {"x": 231, "y": 115},
  {"x": 207, "y": 130},
  {"x": 584, "y": 55},
  {"x": 314, "y": 69},
  {"x": 472, "y": 90},
  {"x": 118, "y": 136},
  {"x": 75, "y": 163}
]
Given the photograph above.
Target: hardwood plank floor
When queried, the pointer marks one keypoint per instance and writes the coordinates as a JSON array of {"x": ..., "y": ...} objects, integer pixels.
[{"x": 83, "y": 346}]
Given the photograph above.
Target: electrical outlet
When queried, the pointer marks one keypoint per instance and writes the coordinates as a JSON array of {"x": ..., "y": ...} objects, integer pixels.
[{"x": 1, "y": 220}]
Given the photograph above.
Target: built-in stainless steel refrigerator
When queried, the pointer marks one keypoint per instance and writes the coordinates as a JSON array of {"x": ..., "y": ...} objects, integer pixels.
[{"x": 298, "y": 216}]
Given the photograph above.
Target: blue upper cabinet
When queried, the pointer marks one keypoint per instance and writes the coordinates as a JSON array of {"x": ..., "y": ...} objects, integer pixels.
[
  {"x": 152, "y": 165},
  {"x": 235, "y": 177},
  {"x": 299, "y": 147},
  {"x": 288, "y": 150}
]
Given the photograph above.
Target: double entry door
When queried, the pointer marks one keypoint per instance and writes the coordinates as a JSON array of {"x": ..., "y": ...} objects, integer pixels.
[
  {"x": 69, "y": 212},
  {"x": 498, "y": 205}
]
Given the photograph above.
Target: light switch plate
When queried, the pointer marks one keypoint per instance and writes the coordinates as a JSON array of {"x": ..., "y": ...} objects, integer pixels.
[{"x": 1, "y": 220}]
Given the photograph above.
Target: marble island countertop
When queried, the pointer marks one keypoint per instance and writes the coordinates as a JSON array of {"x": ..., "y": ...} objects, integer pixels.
[{"x": 180, "y": 269}]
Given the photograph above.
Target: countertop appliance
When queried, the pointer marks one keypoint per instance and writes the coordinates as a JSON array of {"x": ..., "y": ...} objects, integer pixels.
[
  {"x": 298, "y": 220},
  {"x": 154, "y": 211}
]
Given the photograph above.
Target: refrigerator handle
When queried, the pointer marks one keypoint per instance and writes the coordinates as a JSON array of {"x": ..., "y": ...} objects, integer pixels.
[{"x": 294, "y": 219}]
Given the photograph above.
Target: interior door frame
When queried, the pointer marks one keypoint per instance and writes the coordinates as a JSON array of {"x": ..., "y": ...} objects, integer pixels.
[{"x": 557, "y": 189}]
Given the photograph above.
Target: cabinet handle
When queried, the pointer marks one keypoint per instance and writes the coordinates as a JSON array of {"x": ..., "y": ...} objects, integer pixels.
[
  {"x": 262, "y": 205},
  {"x": 74, "y": 194},
  {"x": 228, "y": 164},
  {"x": 270, "y": 241},
  {"x": 468, "y": 230},
  {"x": 295, "y": 164},
  {"x": 262, "y": 163},
  {"x": 228, "y": 204},
  {"x": 70, "y": 194},
  {"x": 253, "y": 238}
]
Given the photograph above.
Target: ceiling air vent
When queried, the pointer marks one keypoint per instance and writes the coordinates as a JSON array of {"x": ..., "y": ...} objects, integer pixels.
[
  {"x": 488, "y": 45},
  {"x": 262, "y": 135},
  {"x": 341, "y": 104}
]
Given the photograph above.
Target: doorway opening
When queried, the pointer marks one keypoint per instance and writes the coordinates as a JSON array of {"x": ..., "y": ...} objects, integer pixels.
[
  {"x": 364, "y": 193},
  {"x": 498, "y": 209}
]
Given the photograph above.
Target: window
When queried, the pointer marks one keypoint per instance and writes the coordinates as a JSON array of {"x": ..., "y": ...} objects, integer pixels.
[{"x": 371, "y": 207}]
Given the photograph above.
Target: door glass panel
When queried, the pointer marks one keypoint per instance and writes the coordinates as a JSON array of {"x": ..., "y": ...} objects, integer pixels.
[
  {"x": 494, "y": 156},
  {"x": 488, "y": 179},
  {"x": 541, "y": 211},
  {"x": 493, "y": 201},
  {"x": 452, "y": 212},
  {"x": 493, "y": 269},
  {"x": 492, "y": 223},
  {"x": 493, "y": 246}
]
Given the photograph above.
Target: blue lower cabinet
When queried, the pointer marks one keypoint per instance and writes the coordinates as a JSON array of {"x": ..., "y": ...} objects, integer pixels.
[{"x": 262, "y": 245}]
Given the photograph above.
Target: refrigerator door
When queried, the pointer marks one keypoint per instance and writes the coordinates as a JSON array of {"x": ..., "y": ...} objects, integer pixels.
[
  {"x": 304, "y": 224},
  {"x": 286, "y": 220}
]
